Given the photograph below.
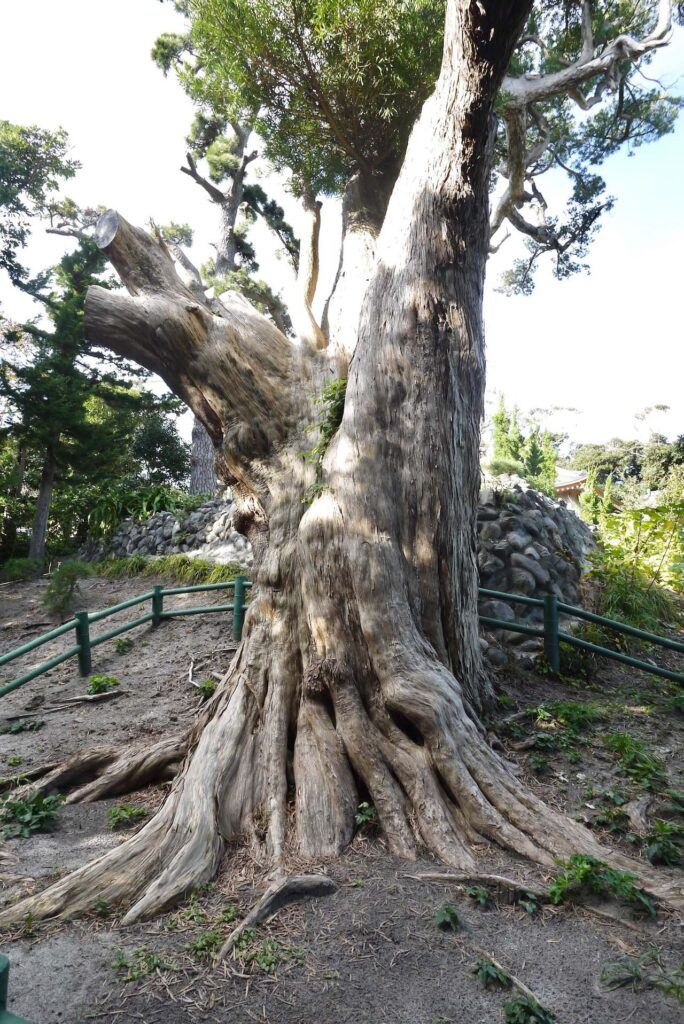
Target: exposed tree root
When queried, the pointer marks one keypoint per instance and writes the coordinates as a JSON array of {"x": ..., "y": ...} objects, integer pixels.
[{"x": 277, "y": 896}]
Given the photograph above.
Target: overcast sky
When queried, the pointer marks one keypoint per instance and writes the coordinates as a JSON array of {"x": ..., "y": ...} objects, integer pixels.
[{"x": 607, "y": 343}]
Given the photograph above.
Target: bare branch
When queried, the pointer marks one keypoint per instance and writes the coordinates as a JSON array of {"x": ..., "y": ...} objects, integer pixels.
[
  {"x": 522, "y": 91},
  {"x": 192, "y": 172}
]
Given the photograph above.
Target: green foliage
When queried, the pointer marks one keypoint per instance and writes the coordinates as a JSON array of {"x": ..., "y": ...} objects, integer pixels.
[
  {"x": 530, "y": 903},
  {"x": 101, "y": 684},
  {"x": 14, "y": 761},
  {"x": 16, "y": 569},
  {"x": 365, "y": 814},
  {"x": 331, "y": 402},
  {"x": 643, "y": 549},
  {"x": 32, "y": 162},
  {"x": 305, "y": 69},
  {"x": 532, "y": 457},
  {"x": 208, "y": 944},
  {"x": 124, "y": 500},
  {"x": 173, "y": 568},
  {"x": 581, "y": 871},
  {"x": 102, "y": 907},
  {"x": 636, "y": 760},
  {"x": 448, "y": 918},
  {"x": 489, "y": 974},
  {"x": 665, "y": 843},
  {"x": 207, "y": 688},
  {"x": 479, "y": 894},
  {"x": 21, "y": 818},
  {"x": 125, "y": 815},
  {"x": 646, "y": 971},
  {"x": 539, "y": 764},
  {"x": 123, "y": 645},
  {"x": 527, "y": 1010},
  {"x": 31, "y": 725},
  {"x": 63, "y": 594},
  {"x": 139, "y": 963}
]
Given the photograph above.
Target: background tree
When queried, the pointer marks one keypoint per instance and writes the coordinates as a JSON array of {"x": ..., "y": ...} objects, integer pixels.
[{"x": 359, "y": 665}]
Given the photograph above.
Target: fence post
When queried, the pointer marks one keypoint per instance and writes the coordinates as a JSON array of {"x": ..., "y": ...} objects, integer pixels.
[
  {"x": 551, "y": 645},
  {"x": 83, "y": 640},
  {"x": 157, "y": 605},
  {"x": 238, "y": 607}
]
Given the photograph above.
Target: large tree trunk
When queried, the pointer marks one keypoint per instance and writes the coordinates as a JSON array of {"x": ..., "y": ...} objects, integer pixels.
[
  {"x": 202, "y": 473},
  {"x": 42, "y": 514},
  {"x": 358, "y": 676}
]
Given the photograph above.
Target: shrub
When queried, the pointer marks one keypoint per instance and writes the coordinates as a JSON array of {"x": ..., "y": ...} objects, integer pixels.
[
  {"x": 128, "y": 501},
  {"x": 63, "y": 592},
  {"x": 506, "y": 467},
  {"x": 585, "y": 872},
  {"x": 174, "y": 568},
  {"x": 16, "y": 569}
]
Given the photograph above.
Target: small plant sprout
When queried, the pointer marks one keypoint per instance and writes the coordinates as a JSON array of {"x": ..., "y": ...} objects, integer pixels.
[
  {"x": 448, "y": 918},
  {"x": 489, "y": 974},
  {"x": 14, "y": 761},
  {"x": 125, "y": 815},
  {"x": 101, "y": 684},
  {"x": 206, "y": 689},
  {"x": 123, "y": 645},
  {"x": 21, "y": 818},
  {"x": 365, "y": 814},
  {"x": 527, "y": 1010},
  {"x": 102, "y": 907},
  {"x": 529, "y": 903},
  {"x": 539, "y": 764},
  {"x": 208, "y": 944},
  {"x": 30, "y": 725},
  {"x": 479, "y": 894},
  {"x": 139, "y": 963},
  {"x": 645, "y": 971},
  {"x": 665, "y": 843}
]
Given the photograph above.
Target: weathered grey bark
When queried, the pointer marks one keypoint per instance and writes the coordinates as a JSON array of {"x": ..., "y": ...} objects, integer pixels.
[
  {"x": 359, "y": 664},
  {"x": 202, "y": 472},
  {"x": 304, "y": 322},
  {"x": 42, "y": 514},
  {"x": 363, "y": 211}
]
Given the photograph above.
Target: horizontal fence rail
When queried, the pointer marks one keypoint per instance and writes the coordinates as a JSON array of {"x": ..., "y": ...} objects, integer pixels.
[
  {"x": 550, "y": 632},
  {"x": 85, "y": 641}
]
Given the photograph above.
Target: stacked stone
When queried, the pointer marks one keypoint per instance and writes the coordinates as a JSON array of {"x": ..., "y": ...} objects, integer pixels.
[
  {"x": 205, "y": 533},
  {"x": 528, "y": 544}
]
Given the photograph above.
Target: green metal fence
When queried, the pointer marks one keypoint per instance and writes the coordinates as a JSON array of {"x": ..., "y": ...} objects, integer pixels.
[
  {"x": 85, "y": 641},
  {"x": 550, "y": 632},
  {"x": 553, "y": 636}
]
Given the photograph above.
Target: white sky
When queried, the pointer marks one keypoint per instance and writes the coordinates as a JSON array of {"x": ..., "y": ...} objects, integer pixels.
[{"x": 607, "y": 344}]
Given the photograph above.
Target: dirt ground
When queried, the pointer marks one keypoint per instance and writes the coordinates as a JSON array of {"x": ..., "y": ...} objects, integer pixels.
[{"x": 371, "y": 951}]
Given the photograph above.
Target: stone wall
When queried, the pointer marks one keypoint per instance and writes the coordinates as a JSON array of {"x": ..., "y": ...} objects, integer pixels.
[
  {"x": 527, "y": 544},
  {"x": 205, "y": 533}
]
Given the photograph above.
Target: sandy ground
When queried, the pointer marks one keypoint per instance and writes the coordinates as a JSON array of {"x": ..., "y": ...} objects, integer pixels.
[{"x": 370, "y": 952}]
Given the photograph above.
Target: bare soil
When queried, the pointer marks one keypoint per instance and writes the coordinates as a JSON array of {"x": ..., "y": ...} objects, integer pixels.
[{"x": 370, "y": 952}]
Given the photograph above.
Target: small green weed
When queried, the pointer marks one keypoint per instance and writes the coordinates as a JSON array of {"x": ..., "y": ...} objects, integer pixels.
[
  {"x": 365, "y": 814},
  {"x": 102, "y": 907},
  {"x": 123, "y": 645},
  {"x": 193, "y": 912},
  {"x": 206, "y": 689},
  {"x": 636, "y": 760},
  {"x": 14, "y": 761},
  {"x": 530, "y": 903},
  {"x": 674, "y": 704},
  {"x": 140, "y": 963},
  {"x": 645, "y": 971},
  {"x": 29, "y": 725},
  {"x": 229, "y": 914},
  {"x": 20, "y": 818},
  {"x": 665, "y": 843},
  {"x": 527, "y": 1010},
  {"x": 208, "y": 944},
  {"x": 539, "y": 764},
  {"x": 125, "y": 815},
  {"x": 101, "y": 684},
  {"x": 489, "y": 974},
  {"x": 448, "y": 918},
  {"x": 581, "y": 871},
  {"x": 479, "y": 894}
]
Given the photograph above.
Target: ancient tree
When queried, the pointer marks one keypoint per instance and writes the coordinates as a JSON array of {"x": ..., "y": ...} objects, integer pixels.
[{"x": 359, "y": 673}]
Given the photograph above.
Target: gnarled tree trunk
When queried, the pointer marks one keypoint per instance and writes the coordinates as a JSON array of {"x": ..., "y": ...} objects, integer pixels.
[
  {"x": 42, "y": 513},
  {"x": 359, "y": 672},
  {"x": 202, "y": 474}
]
